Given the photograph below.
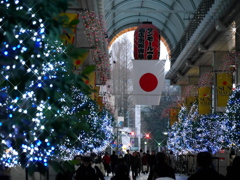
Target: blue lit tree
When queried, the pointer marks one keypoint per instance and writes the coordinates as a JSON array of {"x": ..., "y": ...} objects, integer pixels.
[
  {"x": 175, "y": 139},
  {"x": 188, "y": 128},
  {"x": 36, "y": 85},
  {"x": 209, "y": 134},
  {"x": 232, "y": 124},
  {"x": 98, "y": 132},
  {"x": 177, "y": 133},
  {"x": 195, "y": 133}
]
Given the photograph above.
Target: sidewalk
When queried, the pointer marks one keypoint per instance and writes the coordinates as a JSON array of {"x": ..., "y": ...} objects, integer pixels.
[{"x": 144, "y": 177}]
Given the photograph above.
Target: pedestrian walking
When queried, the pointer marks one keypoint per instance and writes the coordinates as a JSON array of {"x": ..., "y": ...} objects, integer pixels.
[
  {"x": 85, "y": 171},
  {"x": 106, "y": 162},
  {"x": 144, "y": 163},
  {"x": 121, "y": 172},
  {"x": 135, "y": 163},
  {"x": 205, "y": 169},
  {"x": 152, "y": 161},
  {"x": 98, "y": 172},
  {"x": 114, "y": 159},
  {"x": 127, "y": 159},
  {"x": 99, "y": 164},
  {"x": 162, "y": 169},
  {"x": 233, "y": 171}
]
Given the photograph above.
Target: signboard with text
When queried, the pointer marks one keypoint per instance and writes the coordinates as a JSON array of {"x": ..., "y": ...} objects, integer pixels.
[
  {"x": 224, "y": 88},
  {"x": 146, "y": 42}
]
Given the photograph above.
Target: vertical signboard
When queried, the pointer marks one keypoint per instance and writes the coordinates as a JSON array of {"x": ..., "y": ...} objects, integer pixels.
[
  {"x": 68, "y": 37},
  {"x": 204, "y": 100},
  {"x": 174, "y": 115},
  {"x": 189, "y": 101},
  {"x": 224, "y": 88}
]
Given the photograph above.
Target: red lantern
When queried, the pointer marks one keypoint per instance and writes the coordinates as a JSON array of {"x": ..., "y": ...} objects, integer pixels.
[{"x": 146, "y": 42}]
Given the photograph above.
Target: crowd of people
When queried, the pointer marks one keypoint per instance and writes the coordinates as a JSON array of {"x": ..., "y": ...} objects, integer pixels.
[{"x": 157, "y": 166}]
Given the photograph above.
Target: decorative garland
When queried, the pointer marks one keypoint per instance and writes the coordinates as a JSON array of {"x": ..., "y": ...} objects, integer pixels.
[
  {"x": 206, "y": 79},
  {"x": 94, "y": 27},
  {"x": 101, "y": 60}
]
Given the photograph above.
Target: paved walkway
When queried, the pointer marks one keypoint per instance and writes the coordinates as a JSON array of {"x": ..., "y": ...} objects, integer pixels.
[{"x": 144, "y": 177}]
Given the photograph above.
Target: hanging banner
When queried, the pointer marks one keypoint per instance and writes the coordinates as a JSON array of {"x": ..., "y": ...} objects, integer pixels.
[
  {"x": 68, "y": 36},
  {"x": 146, "y": 42},
  {"x": 224, "y": 88},
  {"x": 174, "y": 115},
  {"x": 81, "y": 58},
  {"x": 189, "y": 101},
  {"x": 91, "y": 81},
  {"x": 204, "y": 100},
  {"x": 148, "y": 81}
]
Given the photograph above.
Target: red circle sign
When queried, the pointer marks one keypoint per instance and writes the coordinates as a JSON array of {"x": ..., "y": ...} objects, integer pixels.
[
  {"x": 148, "y": 82},
  {"x": 78, "y": 62}
]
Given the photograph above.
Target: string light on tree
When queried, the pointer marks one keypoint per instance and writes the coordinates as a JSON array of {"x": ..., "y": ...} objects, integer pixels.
[
  {"x": 232, "y": 122},
  {"x": 36, "y": 77}
]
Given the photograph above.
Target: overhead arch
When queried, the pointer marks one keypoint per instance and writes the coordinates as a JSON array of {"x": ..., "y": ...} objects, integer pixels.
[
  {"x": 167, "y": 15},
  {"x": 133, "y": 29},
  {"x": 121, "y": 24},
  {"x": 148, "y": 6}
]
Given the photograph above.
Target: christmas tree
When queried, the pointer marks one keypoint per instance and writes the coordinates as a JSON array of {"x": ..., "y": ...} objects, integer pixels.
[
  {"x": 36, "y": 86},
  {"x": 232, "y": 122},
  {"x": 209, "y": 135},
  {"x": 98, "y": 131},
  {"x": 177, "y": 133}
]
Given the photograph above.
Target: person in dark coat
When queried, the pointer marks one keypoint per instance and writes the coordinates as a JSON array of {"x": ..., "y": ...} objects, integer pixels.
[
  {"x": 205, "y": 171},
  {"x": 148, "y": 157},
  {"x": 152, "y": 161},
  {"x": 144, "y": 163},
  {"x": 162, "y": 169},
  {"x": 134, "y": 165},
  {"x": 97, "y": 170},
  {"x": 121, "y": 172},
  {"x": 233, "y": 172},
  {"x": 120, "y": 159},
  {"x": 85, "y": 171},
  {"x": 127, "y": 159},
  {"x": 64, "y": 174},
  {"x": 114, "y": 159}
]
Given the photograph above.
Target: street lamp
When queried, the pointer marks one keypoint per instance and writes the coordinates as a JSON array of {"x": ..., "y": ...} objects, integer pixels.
[
  {"x": 159, "y": 147},
  {"x": 165, "y": 133},
  {"x": 145, "y": 146},
  {"x": 147, "y": 135}
]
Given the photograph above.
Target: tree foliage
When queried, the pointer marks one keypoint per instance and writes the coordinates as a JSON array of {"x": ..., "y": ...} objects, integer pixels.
[{"x": 36, "y": 89}]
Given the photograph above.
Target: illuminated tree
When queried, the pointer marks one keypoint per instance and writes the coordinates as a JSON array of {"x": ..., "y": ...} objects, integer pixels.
[
  {"x": 209, "y": 134},
  {"x": 175, "y": 139},
  {"x": 182, "y": 134},
  {"x": 232, "y": 124},
  {"x": 195, "y": 133},
  {"x": 98, "y": 131},
  {"x": 36, "y": 85}
]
